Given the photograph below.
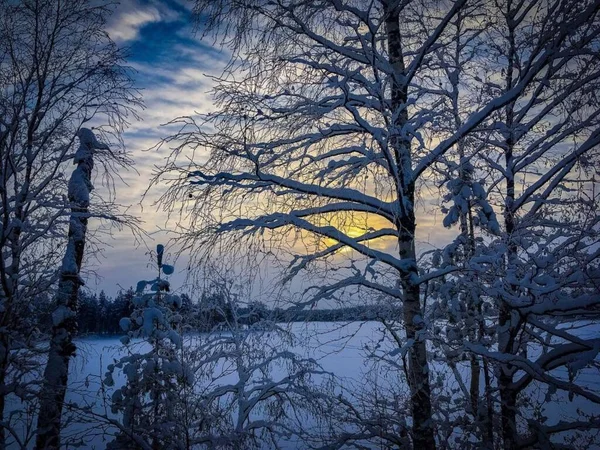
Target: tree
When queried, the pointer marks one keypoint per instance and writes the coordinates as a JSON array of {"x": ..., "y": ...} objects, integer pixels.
[
  {"x": 88, "y": 313},
  {"x": 150, "y": 399},
  {"x": 536, "y": 155},
  {"x": 251, "y": 390},
  {"x": 58, "y": 70},
  {"x": 105, "y": 307},
  {"x": 121, "y": 306},
  {"x": 544, "y": 147},
  {"x": 329, "y": 122},
  {"x": 64, "y": 316},
  {"x": 213, "y": 311}
]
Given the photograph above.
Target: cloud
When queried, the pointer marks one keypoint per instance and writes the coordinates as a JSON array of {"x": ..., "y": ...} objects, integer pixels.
[
  {"x": 131, "y": 19},
  {"x": 169, "y": 65}
]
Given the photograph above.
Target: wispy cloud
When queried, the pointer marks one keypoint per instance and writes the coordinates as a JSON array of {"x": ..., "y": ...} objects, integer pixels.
[
  {"x": 128, "y": 24},
  {"x": 170, "y": 64}
]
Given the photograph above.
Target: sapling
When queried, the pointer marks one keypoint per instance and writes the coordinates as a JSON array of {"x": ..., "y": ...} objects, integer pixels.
[{"x": 154, "y": 371}]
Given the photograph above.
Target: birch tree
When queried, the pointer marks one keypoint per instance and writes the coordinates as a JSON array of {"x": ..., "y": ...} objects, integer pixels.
[
  {"x": 64, "y": 316},
  {"x": 539, "y": 152},
  {"x": 58, "y": 69},
  {"x": 546, "y": 145},
  {"x": 328, "y": 124}
]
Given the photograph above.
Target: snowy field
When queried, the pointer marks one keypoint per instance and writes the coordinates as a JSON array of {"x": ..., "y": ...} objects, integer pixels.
[{"x": 340, "y": 348}]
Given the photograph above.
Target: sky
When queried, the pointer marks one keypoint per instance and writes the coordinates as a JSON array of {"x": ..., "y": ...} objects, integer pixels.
[{"x": 171, "y": 65}]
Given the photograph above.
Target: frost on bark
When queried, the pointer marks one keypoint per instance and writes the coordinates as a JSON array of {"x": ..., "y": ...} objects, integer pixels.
[{"x": 64, "y": 325}]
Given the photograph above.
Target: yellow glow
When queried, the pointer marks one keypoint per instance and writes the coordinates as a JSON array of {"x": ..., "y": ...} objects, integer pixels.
[{"x": 355, "y": 225}]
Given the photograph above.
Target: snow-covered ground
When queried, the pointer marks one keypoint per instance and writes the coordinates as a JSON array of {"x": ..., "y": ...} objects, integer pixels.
[
  {"x": 340, "y": 348},
  {"x": 337, "y": 347}
]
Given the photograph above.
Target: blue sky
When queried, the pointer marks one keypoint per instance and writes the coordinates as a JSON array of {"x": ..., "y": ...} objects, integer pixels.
[{"x": 170, "y": 65}]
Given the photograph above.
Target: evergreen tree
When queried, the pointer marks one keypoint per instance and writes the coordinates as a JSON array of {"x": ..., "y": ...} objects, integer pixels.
[
  {"x": 87, "y": 315},
  {"x": 103, "y": 308},
  {"x": 150, "y": 399}
]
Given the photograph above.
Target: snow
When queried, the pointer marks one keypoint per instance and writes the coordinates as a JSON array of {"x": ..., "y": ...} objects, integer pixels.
[
  {"x": 125, "y": 324},
  {"x": 150, "y": 316},
  {"x": 88, "y": 140},
  {"x": 69, "y": 264},
  {"x": 341, "y": 348},
  {"x": 60, "y": 314},
  {"x": 79, "y": 187},
  {"x": 167, "y": 269}
]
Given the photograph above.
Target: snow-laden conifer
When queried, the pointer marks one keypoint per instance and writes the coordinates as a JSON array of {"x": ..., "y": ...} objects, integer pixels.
[{"x": 150, "y": 401}]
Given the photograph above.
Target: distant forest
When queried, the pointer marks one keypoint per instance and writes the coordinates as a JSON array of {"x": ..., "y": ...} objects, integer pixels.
[{"x": 100, "y": 314}]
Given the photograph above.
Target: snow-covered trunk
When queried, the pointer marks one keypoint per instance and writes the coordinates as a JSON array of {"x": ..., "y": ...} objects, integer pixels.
[
  {"x": 476, "y": 332},
  {"x": 488, "y": 436},
  {"x": 475, "y": 325},
  {"x": 474, "y": 317},
  {"x": 418, "y": 368},
  {"x": 64, "y": 319},
  {"x": 506, "y": 342},
  {"x": 474, "y": 314},
  {"x": 506, "y": 327}
]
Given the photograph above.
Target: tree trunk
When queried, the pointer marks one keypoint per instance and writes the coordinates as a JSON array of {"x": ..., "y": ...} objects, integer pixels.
[
  {"x": 507, "y": 329},
  {"x": 418, "y": 367},
  {"x": 488, "y": 436},
  {"x": 64, "y": 319}
]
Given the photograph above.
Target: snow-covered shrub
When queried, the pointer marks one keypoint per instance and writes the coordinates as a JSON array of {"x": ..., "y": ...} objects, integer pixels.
[
  {"x": 468, "y": 196},
  {"x": 251, "y": 390},
  {"x": 155, "y": 379}
]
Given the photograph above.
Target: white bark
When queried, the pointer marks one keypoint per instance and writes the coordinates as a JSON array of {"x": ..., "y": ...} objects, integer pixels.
[{"x": 64, "y": 325}]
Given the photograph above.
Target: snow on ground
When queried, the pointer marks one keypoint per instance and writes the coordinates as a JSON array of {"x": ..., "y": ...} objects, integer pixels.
[{"x": 340, "y": 348}]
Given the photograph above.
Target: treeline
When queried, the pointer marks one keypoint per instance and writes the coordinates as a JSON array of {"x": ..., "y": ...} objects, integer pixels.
[{"x": 100, "y": 314}]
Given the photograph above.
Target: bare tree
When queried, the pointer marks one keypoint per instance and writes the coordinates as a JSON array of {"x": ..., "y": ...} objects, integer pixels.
[
  {"x": 58, "y": 70},
  {"x": 328, "y": 122},
  {"x": 537, "y": 154},
  {"x": 545, "y": 146},
  {"x": 64, "y": 321},
  {"x": 238, "y": 386}
]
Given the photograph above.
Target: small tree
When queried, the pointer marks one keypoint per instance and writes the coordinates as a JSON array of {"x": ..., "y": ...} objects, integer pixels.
[
  {"x": 150, "y": 400},
  {"x": 251, "y": 390}
]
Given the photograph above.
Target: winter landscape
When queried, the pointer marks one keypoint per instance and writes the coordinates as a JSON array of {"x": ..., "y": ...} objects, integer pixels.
[{"x": 298, "y": 224}]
